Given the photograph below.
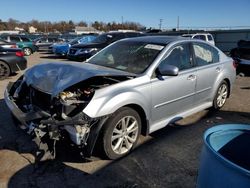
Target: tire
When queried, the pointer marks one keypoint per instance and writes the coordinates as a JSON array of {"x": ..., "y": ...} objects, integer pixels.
[
  {"x": 221, "y": 96},
  {"x": 117, "y": 140},
  {"x": 4, "y": 70},
  {"x": 27, "y": 51}
]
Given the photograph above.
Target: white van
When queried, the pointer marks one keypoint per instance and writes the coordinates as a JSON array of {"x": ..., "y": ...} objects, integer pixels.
[{"x": 202, "y": 36}]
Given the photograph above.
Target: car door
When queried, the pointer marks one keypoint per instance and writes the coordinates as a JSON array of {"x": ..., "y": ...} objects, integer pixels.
[
  {"x": 174, "y": 94},
  {"x": 208, "y": 68}
]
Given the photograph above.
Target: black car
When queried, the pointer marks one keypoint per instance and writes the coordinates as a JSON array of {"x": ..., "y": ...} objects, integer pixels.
[
  {"x": 242, "y": 56},
  {"x": 11, "y": 60},
  {"x": 81, "y": 52}
]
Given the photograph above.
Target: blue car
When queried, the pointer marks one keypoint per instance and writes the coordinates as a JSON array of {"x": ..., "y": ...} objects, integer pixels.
[{"x": 62, "y": 49}]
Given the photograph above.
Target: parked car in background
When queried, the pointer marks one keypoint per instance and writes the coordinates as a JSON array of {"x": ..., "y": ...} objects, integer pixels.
[
  {"x": 62, "y": 49},
  {"x": 6, "y": 44},
  {"x": 22, "y": 42},
  {"x": 201, "y": 36},
  {"x": 242, "y": 55},
  {"x": 45, "y": 41},
  {"x": 134, "y": 86},
  {"x": 81, "y": 52},
  {"x": 11, "y": 60}
]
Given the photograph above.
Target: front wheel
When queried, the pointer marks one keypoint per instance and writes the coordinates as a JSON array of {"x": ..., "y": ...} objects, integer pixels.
[
  {"x": 221, "y": 96},
  {"x": 121, "y": 133}
]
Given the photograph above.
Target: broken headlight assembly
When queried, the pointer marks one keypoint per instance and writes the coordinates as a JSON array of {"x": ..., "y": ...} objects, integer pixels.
[{"x": 73, "y": 102}]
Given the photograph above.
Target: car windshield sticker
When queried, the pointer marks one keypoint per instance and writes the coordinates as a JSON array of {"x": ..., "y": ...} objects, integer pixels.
[{"x": 154, "y": 47}]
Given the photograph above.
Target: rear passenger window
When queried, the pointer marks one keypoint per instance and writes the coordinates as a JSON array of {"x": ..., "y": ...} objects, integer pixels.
[{"x": 205, "y": 54}]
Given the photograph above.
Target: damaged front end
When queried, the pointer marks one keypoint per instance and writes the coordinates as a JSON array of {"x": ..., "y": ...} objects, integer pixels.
[{"x": 48, "y": 116}]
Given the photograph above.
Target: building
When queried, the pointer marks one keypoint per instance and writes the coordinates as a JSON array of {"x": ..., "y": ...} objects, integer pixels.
[
  {"x": 19, "y": 29},
  {"x": 85, "y": 30},
  {"x": 32, "y": 29},
  {"x": 9, "y": 32}
]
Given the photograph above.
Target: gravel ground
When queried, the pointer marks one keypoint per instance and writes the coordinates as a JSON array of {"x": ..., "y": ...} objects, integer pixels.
[{"x": 166, "y": 158}]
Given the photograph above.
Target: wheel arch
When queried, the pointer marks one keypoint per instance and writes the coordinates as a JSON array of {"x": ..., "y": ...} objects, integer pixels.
[
  {"x": 229, "y": 86},
  {"x": 97, "y": 132},
  {"x": 142, "y": 114}
]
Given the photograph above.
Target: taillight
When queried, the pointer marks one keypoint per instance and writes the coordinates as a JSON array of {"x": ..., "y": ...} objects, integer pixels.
[
  {"x": 19, "y": 54},
  {"x": 235, "y": 63},
  {"x": 13, "y": 46}
]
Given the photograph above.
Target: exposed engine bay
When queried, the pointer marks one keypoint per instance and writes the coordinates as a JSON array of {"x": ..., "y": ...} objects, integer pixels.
[{"x": 47, "y": 117}]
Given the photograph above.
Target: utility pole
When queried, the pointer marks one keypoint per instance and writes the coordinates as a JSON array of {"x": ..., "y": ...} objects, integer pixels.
[
  {"x": 178, "y": 24},
  {"x": 160, "y": 24},
  {"x": 122, "y": 22}
]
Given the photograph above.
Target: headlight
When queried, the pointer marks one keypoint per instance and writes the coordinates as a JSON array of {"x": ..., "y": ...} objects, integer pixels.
[{"x": 87, "y": 51}]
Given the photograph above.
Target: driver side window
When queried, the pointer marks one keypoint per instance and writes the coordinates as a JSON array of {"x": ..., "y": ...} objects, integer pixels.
[{"x": 179, "y": 56}]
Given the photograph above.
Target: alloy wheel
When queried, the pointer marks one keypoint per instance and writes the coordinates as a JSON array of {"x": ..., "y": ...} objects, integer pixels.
[
  {"x": 222, "y": 95},
  {"x": 27, "y": 51},
  {"x": 4, "y": 70},
  {"x": 124, "y": 135}
]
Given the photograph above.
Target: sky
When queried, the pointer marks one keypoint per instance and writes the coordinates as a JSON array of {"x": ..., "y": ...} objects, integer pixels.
[{"x": 196, "y": 13}]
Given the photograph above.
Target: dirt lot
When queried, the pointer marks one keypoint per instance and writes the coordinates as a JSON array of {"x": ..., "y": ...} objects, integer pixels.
[{"x": 167, "y": 158}]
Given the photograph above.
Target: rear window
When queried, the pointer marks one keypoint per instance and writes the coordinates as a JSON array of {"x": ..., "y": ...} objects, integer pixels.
[{"x": 201, "y": 37}]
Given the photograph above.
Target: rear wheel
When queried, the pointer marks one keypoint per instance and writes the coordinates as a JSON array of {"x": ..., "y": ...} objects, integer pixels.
[
  {"x": 121, "y": 133},
  {"x": 27, "y": 51},
  {"x": 4, "y": 70},
  {"x": 221, "y": 96}
]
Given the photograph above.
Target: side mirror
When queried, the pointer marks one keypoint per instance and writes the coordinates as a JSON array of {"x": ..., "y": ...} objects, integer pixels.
[{"x": 167, "y": 70}]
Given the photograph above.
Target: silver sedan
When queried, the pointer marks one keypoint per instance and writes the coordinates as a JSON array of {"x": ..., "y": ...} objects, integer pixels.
[{"x": 134, "y": 86}]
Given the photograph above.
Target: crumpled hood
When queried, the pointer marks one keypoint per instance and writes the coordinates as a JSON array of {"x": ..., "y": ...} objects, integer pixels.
[{"x": 56, "y": 77}]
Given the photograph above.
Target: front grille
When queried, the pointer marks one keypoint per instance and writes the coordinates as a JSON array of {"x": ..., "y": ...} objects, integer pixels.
[{"x": 40, "y": 99}]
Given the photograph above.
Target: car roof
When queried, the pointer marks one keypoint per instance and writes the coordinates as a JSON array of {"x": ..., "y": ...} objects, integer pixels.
[{"x": 163, "y": 40}]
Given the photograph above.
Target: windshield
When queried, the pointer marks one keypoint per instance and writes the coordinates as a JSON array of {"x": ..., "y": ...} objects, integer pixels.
[
  {"x": 130, "y": 56},
  {"x": 75, "y": 41},
  {"x": 100, "y": 39}
]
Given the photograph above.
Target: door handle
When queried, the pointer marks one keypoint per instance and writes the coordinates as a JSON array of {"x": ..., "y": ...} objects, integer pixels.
[
  {"x": 191, "y": 77},
  {"x": 218, "y": 69}
]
